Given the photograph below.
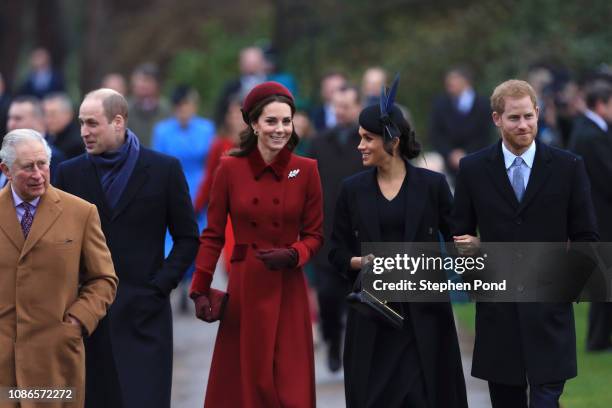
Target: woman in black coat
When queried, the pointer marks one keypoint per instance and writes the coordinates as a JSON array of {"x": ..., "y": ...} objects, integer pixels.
[{"x": 418, "y": 365}]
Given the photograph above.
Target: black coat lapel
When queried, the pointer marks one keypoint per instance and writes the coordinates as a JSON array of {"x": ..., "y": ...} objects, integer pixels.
[
  {"x": 416, "y": 195},
  {"x": 93, "y": 189},
  {"x": 496, "y": 169},
  {"x": 138, "y": 178},
  {"x": 367, "y": 207},
  {"x": 539, "y": 174}
]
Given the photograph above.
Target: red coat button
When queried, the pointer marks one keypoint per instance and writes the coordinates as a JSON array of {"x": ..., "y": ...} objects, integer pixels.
[
  {"x": 276, "y": 201},
  {"x": 255, "y": 200}
]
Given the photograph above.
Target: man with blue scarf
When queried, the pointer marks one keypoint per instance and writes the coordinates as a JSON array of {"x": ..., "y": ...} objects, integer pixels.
[{"x": 139, "y": 194}]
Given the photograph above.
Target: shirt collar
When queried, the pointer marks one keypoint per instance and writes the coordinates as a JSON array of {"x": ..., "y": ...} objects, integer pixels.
[
  {"x": 528, "y": 155},
  {"x": 466, "y": 100},
  {"x": 599, "y": 121},
  {"x": 278, "y": 165},
  {"x": 17, "y": 200}
]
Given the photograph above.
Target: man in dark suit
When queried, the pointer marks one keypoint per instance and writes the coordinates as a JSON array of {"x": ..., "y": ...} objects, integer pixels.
[
  {"x": 323, "y": 116},
  {"x": 25, "y": 112},
  {"x": 520, "y": 190},
  {"x": 62, "y": 128},
  {"x": 139, "y": 194},
  {"x": 42, "y": 79},
  {"x": 460, "y": 120},
  {"x": 592, "y": 139},
  {"x": 5, "y": 102},
  {"x": 337, "y": 158}
]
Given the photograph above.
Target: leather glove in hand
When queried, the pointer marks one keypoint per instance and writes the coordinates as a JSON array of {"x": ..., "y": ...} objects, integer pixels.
[
  {"x": 278, "y": 258},
  {"x": 203, "y": 310},
  {"x": 210, "y": 307}
]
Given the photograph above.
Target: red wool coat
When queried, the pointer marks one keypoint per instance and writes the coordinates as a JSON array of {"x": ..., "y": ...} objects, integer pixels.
[{"x": 263, "y": 355}]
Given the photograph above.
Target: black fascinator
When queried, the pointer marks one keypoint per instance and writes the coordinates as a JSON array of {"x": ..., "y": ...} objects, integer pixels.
[{"x": 382, "y": 119}]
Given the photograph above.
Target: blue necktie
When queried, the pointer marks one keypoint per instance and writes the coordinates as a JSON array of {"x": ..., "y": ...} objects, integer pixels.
[{"x": 518, "y": 183}]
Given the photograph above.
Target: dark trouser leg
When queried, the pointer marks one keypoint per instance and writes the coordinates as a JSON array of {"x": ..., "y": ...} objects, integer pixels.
[
  {"x": 545, "y": 395},
  {"x": 102, "y": 388},
  {"x": 331, "y": 309},
  {"x": 600, "y": 326},
  {"x": 508, "y": 396}
]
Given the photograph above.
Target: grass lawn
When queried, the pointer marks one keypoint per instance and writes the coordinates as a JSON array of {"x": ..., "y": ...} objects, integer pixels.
[{"x": 593, "y": 386}]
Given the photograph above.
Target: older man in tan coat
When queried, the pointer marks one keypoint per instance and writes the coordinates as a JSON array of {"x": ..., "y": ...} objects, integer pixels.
[{"x": 56, "y": 276}]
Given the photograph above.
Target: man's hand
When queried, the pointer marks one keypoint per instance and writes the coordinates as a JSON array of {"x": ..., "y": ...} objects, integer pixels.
[
  {"x": 467, "y": 244},
  {"x": 70, "y": 319},
  {"x": 357, "y": 262}
]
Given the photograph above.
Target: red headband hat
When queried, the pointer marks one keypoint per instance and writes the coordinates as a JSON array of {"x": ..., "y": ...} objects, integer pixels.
[{"x": 261, "y": 92}]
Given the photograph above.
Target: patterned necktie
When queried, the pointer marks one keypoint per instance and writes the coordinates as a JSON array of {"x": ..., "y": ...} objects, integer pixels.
[
  {"x": 27, "y": 219},
  {"x": 518, "y": 183}
]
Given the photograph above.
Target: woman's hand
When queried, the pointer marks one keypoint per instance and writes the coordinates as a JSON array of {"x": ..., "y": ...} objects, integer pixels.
[
  {"x": 203, "y": 310},
  {"x": 357, "y": 262},
  {"x": 467, "y": 245},
  {"x": 278, "y": 258}
]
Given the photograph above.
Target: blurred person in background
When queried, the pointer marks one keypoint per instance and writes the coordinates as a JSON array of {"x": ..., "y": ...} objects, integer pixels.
[
  {"x": 116, "y": 82},
  {"x": 558, "y": 105},
  {"x": 274, "y": 73},
  {"x": 5, "y": 102},
  {"x": 147, "y": 107},
  {"x": 42, "y": 78},
  {"x": 592, "y": 139},
  {"x": 263, "y": 354},
  {"x": 252, "y": 67},
  {"x": 140, "y": 194},
  {"x": 62, "y": 128},
  {"x": 337, "y": 158},
  {"x": 324, "y": 116},
  {"x": 373, "y": 79},
  {"x": 227, "y": 138},
  {"x": 188, "y": 137},
  {"x": 460, "y": 120},
  {"x": 26, "y": 112},
  {"x": 305, "y": 131}
]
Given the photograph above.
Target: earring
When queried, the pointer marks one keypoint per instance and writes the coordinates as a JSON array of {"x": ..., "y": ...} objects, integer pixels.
[{"x": 256, "y": 132}]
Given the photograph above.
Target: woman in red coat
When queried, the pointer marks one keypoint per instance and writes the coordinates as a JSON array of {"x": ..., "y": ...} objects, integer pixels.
[{"x": 263, "y": 355}]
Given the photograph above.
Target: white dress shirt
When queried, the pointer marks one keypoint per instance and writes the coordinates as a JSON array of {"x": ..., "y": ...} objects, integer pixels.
[{"x": 528, "y": 156}]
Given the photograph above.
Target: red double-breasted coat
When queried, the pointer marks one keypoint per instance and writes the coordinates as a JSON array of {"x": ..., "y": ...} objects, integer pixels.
[{"x": 263, "y": 355}]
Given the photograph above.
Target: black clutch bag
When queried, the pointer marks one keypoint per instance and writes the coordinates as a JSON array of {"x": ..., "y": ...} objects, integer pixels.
[{"x": 369, "y": 305}]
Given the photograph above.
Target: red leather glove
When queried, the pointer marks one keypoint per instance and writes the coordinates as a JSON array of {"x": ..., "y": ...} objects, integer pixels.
[{"x": 278, "y": 258}]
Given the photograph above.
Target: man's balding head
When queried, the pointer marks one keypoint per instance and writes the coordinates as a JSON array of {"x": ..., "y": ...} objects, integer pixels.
[
  {"x": 103, "y": 120},
  {"x": 112, "y": 101}
]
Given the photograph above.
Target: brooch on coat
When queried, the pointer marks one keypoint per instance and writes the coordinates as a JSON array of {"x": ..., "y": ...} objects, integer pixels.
[{"x": 293, "y": 173}]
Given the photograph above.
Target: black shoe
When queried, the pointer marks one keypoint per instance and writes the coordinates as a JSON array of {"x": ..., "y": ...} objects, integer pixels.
[{"x": 334, "y": 363}]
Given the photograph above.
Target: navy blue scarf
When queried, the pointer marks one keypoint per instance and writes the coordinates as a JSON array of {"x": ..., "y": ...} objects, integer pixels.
[{"x": 115, "y": 168}]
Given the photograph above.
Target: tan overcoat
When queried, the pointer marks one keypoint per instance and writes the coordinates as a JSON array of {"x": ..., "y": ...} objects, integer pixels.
[{"x": 63, "y": 267}]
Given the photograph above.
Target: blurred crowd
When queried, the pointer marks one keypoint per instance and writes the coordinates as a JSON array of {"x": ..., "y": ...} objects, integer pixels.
[{"x": 459, "y": 123}]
